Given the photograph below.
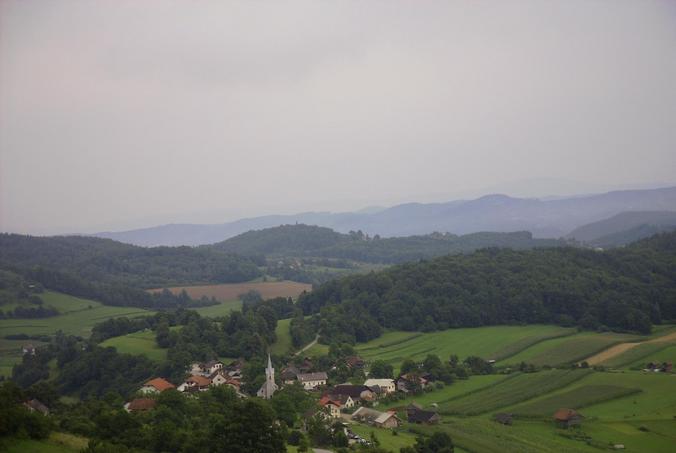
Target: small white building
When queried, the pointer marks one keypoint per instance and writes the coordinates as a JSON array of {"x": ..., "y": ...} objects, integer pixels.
[
  {"x": 311, "y": 381},
  {"x": 386, "y": 385}
]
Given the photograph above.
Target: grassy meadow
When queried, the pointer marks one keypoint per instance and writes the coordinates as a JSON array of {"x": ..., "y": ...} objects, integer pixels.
[
  {"x": 283, "y": 344},
  {"x": 138, "y": 343}
]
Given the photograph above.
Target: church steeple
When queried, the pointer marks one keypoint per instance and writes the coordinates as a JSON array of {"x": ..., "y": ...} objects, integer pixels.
[{"x": 269, "y": 387}]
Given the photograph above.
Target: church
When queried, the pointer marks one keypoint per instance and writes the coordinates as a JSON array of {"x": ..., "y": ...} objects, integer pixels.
[{"x": 269, "y": 387}]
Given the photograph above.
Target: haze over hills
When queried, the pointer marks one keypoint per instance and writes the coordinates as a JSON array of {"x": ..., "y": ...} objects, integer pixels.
[
  {"x": 625, "y": 228},
  {"x": 500, "y": 213}
]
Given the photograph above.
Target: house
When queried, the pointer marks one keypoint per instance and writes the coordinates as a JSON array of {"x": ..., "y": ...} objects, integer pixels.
[
  {"x": 195, "y": 383},
  {"x": 290, "y": 374},
  {"x": 219, "y": 378},
  {"x": 311, "y": 381},
  {"x": 408, "y": 382},
  {"x": 35, "y": 405},
  {"x": 140, "y": 404},
  {"x": 566, "y": 418},
  {"x": 331, "y": 406},
  {"x": 416, "y": 414},
  {"x": 28, "y": 349},
  {"x": 504, "y": 418},
  {"x": 354, "y": 362},
  {"x": 357, "y": 392},
  {"x": 269, "y": 387},
  {"x": 387, "y": 419},
  {"x": 205, "y": 369},
  {"x": 386, "y": 385},
  {"x": 156, "y": 385},
  {"x": 345, "y": 401}
]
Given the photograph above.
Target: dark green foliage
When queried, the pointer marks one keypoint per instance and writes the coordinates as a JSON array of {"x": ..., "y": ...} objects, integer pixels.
[
  {"x": 303, "y": 330},
  {"x": 627, "y": 289},
  {"x": 107, "y": 261},
  {"x": 15, "y": 289},
  {"x": 15, "y": 419},
  {"x": 381, "y": 370},
  {"x": 313, "y": 241},
  {"x": 439, "y": 442}
]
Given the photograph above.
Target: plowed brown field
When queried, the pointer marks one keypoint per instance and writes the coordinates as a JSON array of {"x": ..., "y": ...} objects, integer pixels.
[{"x": 230, "y": 291}]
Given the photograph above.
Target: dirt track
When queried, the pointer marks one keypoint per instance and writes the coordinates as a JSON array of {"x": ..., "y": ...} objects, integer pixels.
[{"x": 623, "y": 347}]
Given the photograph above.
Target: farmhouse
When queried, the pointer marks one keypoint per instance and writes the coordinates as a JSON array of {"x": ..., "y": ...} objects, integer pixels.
[
  {"x": 205, "y": 369},
  {"x": 345, "y": 401},
  {"x": 290, "y": 374},
  {"x": 504, "y": 419},
  {"x": 196, "y": 383},
  {"x": 408, "y": 382},
  {"x": 373, "y": 417},
  {"x": 311, "y": 381},
  {"x": 156, "y": 385},
  {"x": 35, "y": 405},
  {"x": 28, "y": 349},
  {"x": 416, "y": 414},
  {"x": 357, "y": 392},
  {"x": 140, "y": 404},
  {"x": 332, "y": 406},
  {"x": 386, "y": 385},
  {"x": 354, "y": 362},
  {"x": 567, "y": 417}
]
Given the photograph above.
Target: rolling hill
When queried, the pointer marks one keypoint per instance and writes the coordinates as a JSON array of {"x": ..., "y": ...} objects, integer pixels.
[
  {"x": 625, "y": 228},
  {"x": 500, "y": 213}
]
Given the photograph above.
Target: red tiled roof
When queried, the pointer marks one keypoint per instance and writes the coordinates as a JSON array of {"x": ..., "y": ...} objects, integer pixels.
[
  {"x": 160, "y": 384},
  {"x": 201, "y": 381}
]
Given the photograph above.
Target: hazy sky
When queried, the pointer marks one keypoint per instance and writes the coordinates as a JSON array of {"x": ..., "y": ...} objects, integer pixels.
[{"x": 119, "y": 114}]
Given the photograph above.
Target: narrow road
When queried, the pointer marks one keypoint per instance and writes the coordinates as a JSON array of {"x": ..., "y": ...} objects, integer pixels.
[
  {"x": 618, "y": 349},
  {"x": 309, "y": 345}
]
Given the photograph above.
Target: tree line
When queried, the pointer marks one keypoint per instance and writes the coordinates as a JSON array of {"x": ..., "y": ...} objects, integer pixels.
[{"x": 626, "y": 289}]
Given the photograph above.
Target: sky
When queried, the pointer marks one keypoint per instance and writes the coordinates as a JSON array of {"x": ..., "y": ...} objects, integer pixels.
[{"x": 122, "y": 114}]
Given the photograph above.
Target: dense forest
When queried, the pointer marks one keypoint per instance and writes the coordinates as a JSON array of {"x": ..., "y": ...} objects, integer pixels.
[
  {"x": 108, "y": 262},
  {"x": 313, "y": 241},
  {"x": 624, "y": 289}
]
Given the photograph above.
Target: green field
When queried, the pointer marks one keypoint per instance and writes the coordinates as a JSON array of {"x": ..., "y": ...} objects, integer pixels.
[
  {"x": 56, "y": 443},
  {"x": 577, "y": 398},
  {"x": 138, "y": 343},
  {"x": 635, "y": 356},
  {"x": 387, "y": 440},
  {"x": 570, "y": 349},
  {"x": 283, "y": 344},
  {"x": 222, "y": 309},
  {"x": 485, "y": 342},
  {"x": 517, "y": 388},
  {"x": 665, "y": 354},
  {"x": 77, "y": 317}
]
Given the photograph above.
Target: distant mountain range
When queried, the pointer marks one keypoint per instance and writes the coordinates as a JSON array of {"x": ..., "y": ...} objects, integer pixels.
[
  {"x": 624, "y": 228},
  {"x": 551, "y": 218}
]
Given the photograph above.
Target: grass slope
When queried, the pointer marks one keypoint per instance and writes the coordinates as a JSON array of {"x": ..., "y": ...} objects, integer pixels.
[
  {"x": 283, "y": 344},
  {"x": 518, "y": 388},
  {"x": 486, "y": 342},
  {"x": 138, "y": 343}
]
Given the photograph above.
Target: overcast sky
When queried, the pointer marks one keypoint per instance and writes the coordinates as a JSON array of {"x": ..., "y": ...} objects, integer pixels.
[{"x": 119, "y": 114}]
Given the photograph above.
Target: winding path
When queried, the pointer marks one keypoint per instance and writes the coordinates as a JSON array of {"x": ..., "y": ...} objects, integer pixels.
[{"x": 309, "y": 345}]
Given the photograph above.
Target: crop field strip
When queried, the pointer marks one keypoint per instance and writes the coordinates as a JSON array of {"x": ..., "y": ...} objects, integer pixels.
[
  {"x": 568, "y": 349},
  {"x": 230, "y": 291},
  {"x": 635, "y": 355},
  {"x": 395, "y": 346},
  {"x": 523, "y": 387},
  {"x": 586, "y": 395},
  {"x": 527, "y": 342}
]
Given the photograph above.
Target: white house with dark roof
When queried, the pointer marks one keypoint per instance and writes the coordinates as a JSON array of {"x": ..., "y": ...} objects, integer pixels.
[{"x": 311, "y": 381}]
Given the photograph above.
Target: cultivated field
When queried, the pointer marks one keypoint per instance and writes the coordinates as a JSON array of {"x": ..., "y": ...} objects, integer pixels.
[
  {"x": 625, "y": 353},
  {"x": 577, "y": 398},
  {"x": 515, "y": 389},
  {"x": 570, "y": 349},
  {"x": 486, "y": 342},
  {"x": 230, "y": 291}
]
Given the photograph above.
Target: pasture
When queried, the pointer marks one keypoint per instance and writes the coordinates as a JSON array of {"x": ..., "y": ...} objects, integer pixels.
[
  {"x": 223, "y": 308},
  {"x": 486, "y": 342},
  {"x": 517, "y": 388},
  {"x": 138, "y": 343},
  {"x": 228, "y": 292},
  {"x": 387, "y": 440}
]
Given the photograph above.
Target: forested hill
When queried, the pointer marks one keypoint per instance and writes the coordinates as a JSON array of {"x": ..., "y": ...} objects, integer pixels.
[
  {"x": 106, "y": 261},
  {"x": 303, "y": 240},
  {"x": 626, "y": 289}
]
